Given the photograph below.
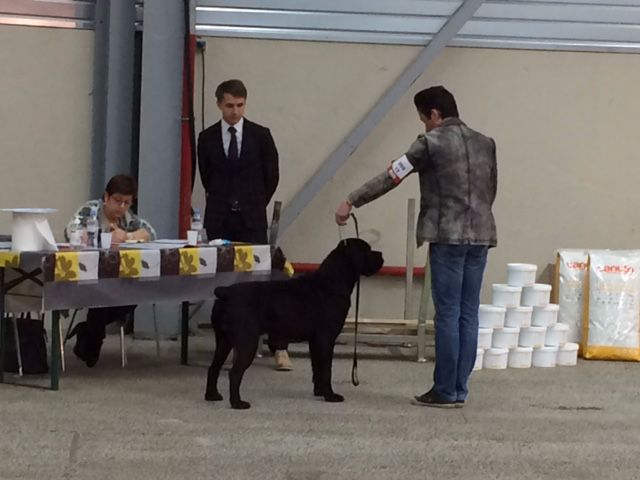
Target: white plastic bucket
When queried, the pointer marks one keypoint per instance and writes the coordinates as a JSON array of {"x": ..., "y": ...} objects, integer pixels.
[
  {"x": 506, "y": 295},
  {"x": 556, "y": 335},
  {"x": 491, "y": 316},
  {"x": 518, "y": 317},
  {"x": 532, "y": 337},
  {"x": 495, "y": 358},
  {"x": 521, "y": 274},
  {"x": 520, "y": 357},
  {"x": 536, "y": 295},
  {"x": 568, "y": 355},
  {"x": 544, "y": 357},
  {"x": 479, "y": 359},
  {"x": 505, "y": 337},
  {"x": 545, "y": 316},
  {"x": 485, "y": 336}
]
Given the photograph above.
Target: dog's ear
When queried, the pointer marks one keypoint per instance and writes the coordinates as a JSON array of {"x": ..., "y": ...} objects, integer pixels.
[
  {"x": 356, "y": 259},
  {"x": 356, "y": 252}
]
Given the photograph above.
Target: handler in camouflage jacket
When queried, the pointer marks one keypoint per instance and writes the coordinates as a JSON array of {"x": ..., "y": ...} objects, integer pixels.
[{"x": 458, "y": 182}]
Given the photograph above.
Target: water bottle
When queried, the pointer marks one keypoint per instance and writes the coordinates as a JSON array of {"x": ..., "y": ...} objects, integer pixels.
[
  {"x": 76, "y": 232},
  {"x": 92, "y": 228},
  {"x": 196, "y": 223}
]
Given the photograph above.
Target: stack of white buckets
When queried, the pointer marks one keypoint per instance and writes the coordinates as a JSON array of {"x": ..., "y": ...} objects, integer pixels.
[{"x": 520, "y": 329}]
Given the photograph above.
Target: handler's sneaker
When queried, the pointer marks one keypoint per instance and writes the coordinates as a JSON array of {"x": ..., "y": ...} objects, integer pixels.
[
  {"x": 283, "y": 363},
  {"x": 432, "y": 399}
]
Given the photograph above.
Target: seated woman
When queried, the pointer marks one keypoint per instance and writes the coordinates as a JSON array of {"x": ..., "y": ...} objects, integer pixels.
[{"x": 113, "y": 216}]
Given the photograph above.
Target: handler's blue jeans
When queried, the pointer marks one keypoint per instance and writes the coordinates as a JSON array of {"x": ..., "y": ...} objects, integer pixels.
[{"x": 456, "y": 278}]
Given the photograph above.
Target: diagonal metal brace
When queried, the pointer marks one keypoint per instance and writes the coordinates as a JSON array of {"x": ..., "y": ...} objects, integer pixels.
[
  {"x": 340, "y": 155},
  {"x": 33, "y": 276}
]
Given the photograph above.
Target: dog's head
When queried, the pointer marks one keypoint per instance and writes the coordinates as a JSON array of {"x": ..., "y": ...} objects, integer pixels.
[{"x": 364, "y": 260}]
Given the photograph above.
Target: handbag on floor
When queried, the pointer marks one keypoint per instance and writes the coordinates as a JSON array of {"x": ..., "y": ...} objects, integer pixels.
[{"x": 33, "y": 346}]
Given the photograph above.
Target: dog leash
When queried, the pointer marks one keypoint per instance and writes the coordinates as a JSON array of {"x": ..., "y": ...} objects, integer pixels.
[{"x": 354, "y": 368}]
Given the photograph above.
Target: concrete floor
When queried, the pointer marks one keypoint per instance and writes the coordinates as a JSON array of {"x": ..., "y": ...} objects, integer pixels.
[{"x": 149, "y": 420}]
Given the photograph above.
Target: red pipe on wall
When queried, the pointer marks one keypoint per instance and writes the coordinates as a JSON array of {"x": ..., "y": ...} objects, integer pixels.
[
  {"x": 186, "y": 167},
  {"x": 390, "y": 271}
]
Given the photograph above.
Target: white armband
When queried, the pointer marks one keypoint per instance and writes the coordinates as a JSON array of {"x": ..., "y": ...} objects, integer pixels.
[{"x": 400, "y": 168}]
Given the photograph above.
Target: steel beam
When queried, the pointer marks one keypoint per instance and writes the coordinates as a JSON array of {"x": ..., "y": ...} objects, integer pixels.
[
  {"x": 112, "y": 92},
  {"x": 160, "y": 116}
]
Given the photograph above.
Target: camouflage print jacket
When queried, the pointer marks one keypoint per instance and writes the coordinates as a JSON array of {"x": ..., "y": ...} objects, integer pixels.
[
  {"x": 458, "y": 183},
  {"x": 129, "y": 222}
]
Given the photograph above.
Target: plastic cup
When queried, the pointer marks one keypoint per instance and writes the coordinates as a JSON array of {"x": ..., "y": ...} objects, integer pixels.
[
  {"x": 192, "y": 237},
  {"x": 105, "y": 239}
]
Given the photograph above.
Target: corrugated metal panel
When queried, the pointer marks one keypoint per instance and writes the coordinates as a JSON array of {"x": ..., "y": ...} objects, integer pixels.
[
  {"x": 43, "y": 13},
  {"x": 594, "y": 25}
]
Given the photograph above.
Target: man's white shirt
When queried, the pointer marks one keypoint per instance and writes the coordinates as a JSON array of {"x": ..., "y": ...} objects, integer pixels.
[{"x": 226, "y": 136}]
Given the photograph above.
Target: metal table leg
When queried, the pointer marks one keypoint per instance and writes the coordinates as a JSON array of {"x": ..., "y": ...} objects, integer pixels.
[
  {"x": 16, "y": 341},
  {"x": 156, "y": 333},
  {"x": 62, "y": 359},
  {"x": 55, "y": 349},
  {"x": 184, "y": 346}
]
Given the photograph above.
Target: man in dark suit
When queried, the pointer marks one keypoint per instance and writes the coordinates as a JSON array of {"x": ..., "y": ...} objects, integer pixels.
[{"x": 238, "y": 163}]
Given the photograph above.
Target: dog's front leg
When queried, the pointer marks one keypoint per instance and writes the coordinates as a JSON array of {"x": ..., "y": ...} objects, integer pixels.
[{"x": 322, "y": 350}]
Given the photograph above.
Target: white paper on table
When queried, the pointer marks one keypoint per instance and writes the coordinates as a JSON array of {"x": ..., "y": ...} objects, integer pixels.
[
  {"x": 152, "y": 245},
  {"x": 173, "y": 241},
  {"x": 169, "y": 243},
  {"x": 42, "y": 224}
]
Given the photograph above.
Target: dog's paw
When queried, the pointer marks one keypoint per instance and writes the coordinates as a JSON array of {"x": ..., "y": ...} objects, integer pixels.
[
  {"x": 212, "y": 397},
  {"x": 333, "y": 398},
  {"x": 317, "y": 392},
  {"x": 240, "y": 405}
]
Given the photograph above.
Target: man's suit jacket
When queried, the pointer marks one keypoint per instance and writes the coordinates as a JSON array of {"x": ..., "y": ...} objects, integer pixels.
[{"x": 251, "y": 180}]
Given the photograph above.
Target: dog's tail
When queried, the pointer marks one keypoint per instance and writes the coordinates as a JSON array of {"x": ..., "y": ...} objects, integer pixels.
[
  {"x": 219, "y": 307},
  {"x": 217, "y": 314}
]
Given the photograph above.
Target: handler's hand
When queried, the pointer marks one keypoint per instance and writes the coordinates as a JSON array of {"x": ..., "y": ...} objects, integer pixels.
[{"x": 342, "y": 213}]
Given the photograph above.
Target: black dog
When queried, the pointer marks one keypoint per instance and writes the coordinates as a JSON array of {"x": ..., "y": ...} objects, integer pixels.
[{"x": 309, "y": 308}]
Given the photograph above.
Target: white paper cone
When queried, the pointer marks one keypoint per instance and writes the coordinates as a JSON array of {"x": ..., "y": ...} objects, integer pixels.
[{"x": 30, "y": 230}]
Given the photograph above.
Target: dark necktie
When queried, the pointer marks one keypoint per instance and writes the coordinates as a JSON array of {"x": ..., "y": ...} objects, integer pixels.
[{"x": 233, "y": 146}]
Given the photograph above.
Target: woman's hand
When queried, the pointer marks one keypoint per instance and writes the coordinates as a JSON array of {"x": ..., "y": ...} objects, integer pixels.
[{"x": 118, "y": 235}]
